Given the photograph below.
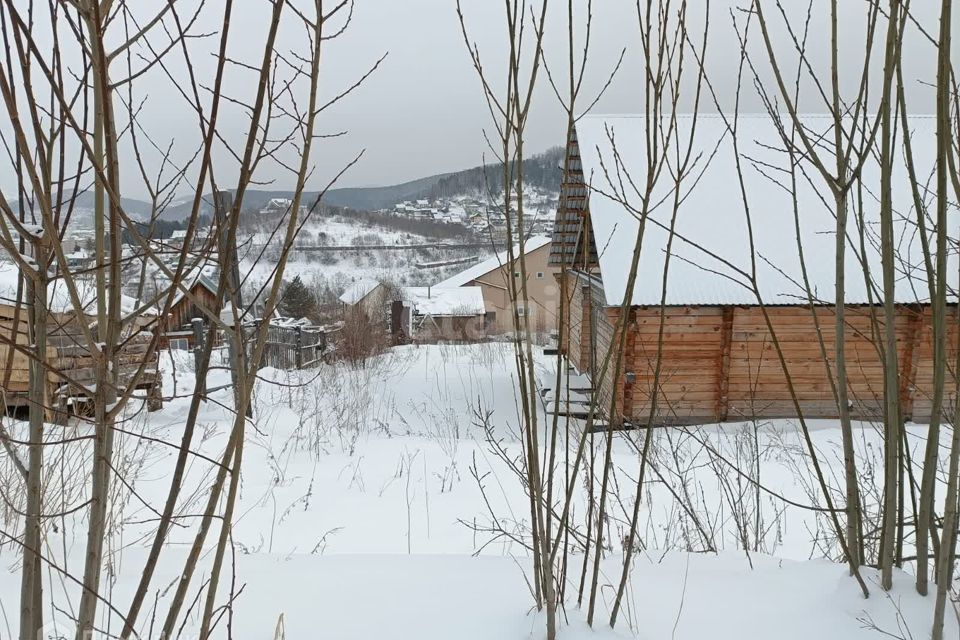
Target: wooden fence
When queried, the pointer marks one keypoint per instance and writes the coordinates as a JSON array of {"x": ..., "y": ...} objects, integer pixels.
[
  {"x": 287, "y": 347},
  {"x": 296, "y": 347}
]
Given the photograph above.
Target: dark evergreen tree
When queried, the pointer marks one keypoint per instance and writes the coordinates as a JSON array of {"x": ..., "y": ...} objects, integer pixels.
[{"x": 297, "y": 300}]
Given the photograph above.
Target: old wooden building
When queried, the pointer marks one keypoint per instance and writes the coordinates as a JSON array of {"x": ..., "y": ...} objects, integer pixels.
[
  {"x": 719, "y": 359},
  {"x": 72, "y": 370},
  {"x": 184, "y": 308}
]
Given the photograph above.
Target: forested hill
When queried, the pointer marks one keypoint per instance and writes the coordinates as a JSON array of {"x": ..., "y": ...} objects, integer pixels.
[{"x": 542, "y": 171}]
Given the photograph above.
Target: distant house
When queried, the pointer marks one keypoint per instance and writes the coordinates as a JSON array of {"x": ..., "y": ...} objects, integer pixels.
[
  {"x": 176, "y": 326},
  {"x": 429, "y": 313},
  {"x": 277, "y": 205},
  {"x": 725, "y": 349},
  {"x": 366, "y": 295},
  {"x": 493, "y": 277},
  {"x": 78, "y": 259},
  {"x": 178, "y": 236}
]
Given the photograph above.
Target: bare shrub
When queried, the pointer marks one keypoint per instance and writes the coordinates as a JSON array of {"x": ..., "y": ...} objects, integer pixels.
[{"x": 361, "y": 336}]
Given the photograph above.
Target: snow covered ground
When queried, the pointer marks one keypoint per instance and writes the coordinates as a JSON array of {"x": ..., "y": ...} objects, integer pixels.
[
  {"x": 372, "y": 497},
  {"x": 342, "y": 232}
]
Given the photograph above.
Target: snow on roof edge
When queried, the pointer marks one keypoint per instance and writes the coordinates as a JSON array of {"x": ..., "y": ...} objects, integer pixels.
[
  {"x": 470, "y": 274},
  {"x": 358, "y": 290}
]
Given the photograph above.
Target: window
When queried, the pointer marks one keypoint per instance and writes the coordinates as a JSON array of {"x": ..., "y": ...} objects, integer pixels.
[
  {"x": 539, "y": 275},
  {"x": 516, "y": 274},
  {"x": 179, "y": 344},
  {"x": 520, "y": 310}
]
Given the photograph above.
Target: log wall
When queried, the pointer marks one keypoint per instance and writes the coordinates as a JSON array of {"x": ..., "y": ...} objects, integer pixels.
[
  {"x": 721, "y": 363},
  {"x": 577, "y": 343},
  {"x": 691, "y": 362}
]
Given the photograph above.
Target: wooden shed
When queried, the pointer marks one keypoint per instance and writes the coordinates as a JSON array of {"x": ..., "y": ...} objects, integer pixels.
[
  {"x": 367, "y": 296},
  {"x": 184, "y": 308},
  {"x": 73, "y": 370},
  {"x": 719, "y": 360},
  {"x": 176, "y": 326},
  {"x": 440, "y": 313}
]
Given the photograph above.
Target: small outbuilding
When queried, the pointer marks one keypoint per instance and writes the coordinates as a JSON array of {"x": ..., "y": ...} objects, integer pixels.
[
  {"x": 175, "y": 328},
  {"x": 367, "y": 295},
  {"x": 435, "y": 313}
]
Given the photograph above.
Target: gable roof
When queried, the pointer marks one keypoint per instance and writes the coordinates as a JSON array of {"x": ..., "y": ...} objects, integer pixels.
[
  {"x": 711, "y": 217},
  {"x": 358, "y": 290},
  {"x": 483, "y": 268},
  {"x": 449, "y": 301},
  {"x": 196, "y": 279}
]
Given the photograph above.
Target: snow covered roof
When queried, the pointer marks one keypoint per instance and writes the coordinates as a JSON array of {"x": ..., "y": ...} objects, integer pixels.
[
  {"x": 481, "y": 269},
  {"x": 205, "y": 277},
  {"x": 711, "y": 216},
  {"x": 79, "y": 254},
  {"x": 439, "y": 301},
  {"x": 199, "y": 234},
  {"x": 58, "y": 296},
  {"x": 358, "y": 290}
]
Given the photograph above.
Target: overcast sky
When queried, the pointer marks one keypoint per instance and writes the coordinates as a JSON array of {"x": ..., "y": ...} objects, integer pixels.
[{"x": 422, "y": 112}]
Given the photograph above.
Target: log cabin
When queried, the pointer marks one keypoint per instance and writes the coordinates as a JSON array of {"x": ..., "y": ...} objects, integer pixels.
[{"x": 720, "y": 357}]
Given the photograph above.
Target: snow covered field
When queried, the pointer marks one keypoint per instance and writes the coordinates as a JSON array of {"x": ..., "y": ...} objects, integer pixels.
[{"x": 361, "y": 511}]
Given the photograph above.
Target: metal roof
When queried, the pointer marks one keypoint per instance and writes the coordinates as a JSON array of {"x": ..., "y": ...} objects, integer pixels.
[{"x": 711, "y": 245}]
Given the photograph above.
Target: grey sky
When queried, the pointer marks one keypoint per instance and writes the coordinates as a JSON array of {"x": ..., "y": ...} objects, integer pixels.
[{"x": 423, "y": 111}]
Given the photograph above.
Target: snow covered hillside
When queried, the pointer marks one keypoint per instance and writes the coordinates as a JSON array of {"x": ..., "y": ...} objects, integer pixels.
[{"x": 334, "y": 250}]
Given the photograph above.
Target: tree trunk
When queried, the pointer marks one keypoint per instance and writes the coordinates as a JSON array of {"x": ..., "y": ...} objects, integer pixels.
[{"x": 31, "y": 589}]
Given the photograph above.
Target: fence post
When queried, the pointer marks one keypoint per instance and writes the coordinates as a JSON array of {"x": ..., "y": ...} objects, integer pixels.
[
  {"x": 197, "y": 325},
  {"x": 298, "y": 356},
  {"x": 248, "y": 348}
]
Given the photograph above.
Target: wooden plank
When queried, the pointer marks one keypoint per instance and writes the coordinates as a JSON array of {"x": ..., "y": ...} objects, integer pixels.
[
  {"x": 819, "y": 385},
  {"x": 653, "y": 311}
]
